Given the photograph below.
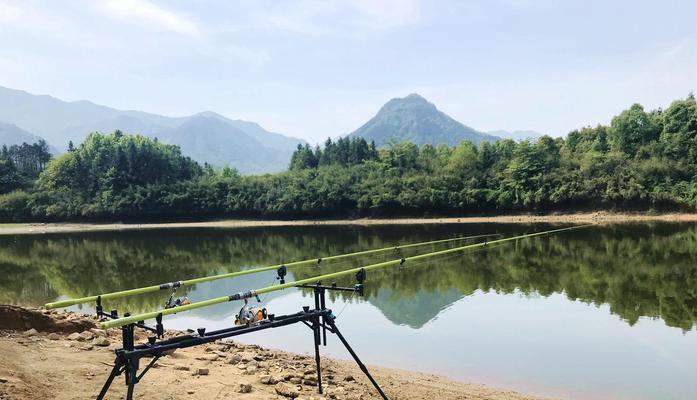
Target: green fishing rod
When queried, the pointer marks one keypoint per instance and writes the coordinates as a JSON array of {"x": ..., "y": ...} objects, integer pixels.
[
  {"x": 189, "y": 282},
  {"x": 253, "y": 293}
]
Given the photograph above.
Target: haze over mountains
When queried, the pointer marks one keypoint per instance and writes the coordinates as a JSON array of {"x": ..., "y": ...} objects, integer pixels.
[
  {"x": 11, "y": 134},
  {"x": 415, "y": 119},
  {"x": 211, "y": 138},
  {"x": 517, "y": 135},
  {"x": 205, "y": 137}
]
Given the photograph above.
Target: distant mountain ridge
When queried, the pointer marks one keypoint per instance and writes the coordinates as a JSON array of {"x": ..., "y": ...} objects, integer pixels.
[
  {"x": 416, "y": 120},
  {"x": 205, "y": 137},
  {"x": 517, "y": 135},
  {"x": 11, "y": 134}
]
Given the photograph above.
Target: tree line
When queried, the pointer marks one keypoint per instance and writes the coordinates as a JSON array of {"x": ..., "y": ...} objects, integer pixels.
[
  {"x": 643, "y": 160},
  {"x": 21, "y": 164}
]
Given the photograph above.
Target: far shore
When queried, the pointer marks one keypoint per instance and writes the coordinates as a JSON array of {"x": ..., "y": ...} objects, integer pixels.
[{"x": 575, "y": 218}]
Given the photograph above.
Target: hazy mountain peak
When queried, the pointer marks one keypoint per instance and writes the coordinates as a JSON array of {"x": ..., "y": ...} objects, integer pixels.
[
  {"x": 209, "y": 114},
  {"x": 415, "y": 119},
  {"x": 412, "y": 101}
]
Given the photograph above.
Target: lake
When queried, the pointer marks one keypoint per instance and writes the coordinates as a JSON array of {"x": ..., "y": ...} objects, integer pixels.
[{"x": 606, "y": 312}]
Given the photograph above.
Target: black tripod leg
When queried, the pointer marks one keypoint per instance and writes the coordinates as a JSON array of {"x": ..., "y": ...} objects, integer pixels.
[
  {"x": 322, "y": 303},
  {"x": 355, "y": 358},
  {"x": 315, "y": 329},
  {"x": 109, "y": 380},
  {"x": 131, "y": 376},
  {"x": 129, "y": 394}
]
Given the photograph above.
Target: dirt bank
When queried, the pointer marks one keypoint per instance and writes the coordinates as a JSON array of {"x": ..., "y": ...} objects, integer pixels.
[
  {"x": 40, "y": 365},
  {"x": 596, "y": 217}
]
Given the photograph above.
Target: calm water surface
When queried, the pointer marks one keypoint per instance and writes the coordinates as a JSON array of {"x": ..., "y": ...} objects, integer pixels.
[{"x": 599, "y": 313}]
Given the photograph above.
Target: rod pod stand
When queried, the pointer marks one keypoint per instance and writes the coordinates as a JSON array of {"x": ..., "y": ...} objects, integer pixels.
[
  {"x": 319, "y": 319},
  {"x": 114, "y": 314}
]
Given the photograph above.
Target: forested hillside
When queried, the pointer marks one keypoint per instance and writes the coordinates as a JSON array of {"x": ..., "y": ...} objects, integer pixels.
[
  {"x": 641, "y": 161},
  {"x": 415, "y": 119}
]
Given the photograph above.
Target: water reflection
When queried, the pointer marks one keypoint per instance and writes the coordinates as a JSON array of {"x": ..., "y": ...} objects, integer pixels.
[{"x": 646, "y": 270}]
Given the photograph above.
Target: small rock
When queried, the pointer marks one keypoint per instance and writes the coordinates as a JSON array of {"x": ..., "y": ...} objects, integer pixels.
[
  {"x": 208, "y": 357},
  {"x": 201, "y": 371},
  {"x": 310, "y": 382},
  {"x": 251, "y": 370},
  {"x": 245, "y": 388},
  {"x": 98, "y": 332},
  {"x": 336, "y": 392},
  {"x": 190, "y": 391},
  {"x": 268, "y": 380},
  {"x": 296, "y": 380},
  {"x": 54, "y": 336},
  {"x": 74, "y": 336},
  {"x": 101, "y": 342},
  {"x": 349, "y": 378},
  {"x": 3, "y": 379},
  {"x": 287, "y": 390},
  {"x": 86, "y": 347},
  {"x": 31, "y": 332},
  {"x": 180, "y": 367},
  {"x": 85, "y": 335},
  {"x": 242, "y": 366},
  {"x": 235, "y": 359}
]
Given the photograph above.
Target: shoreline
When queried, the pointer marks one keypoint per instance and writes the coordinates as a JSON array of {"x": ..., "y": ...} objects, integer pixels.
[
  {"x": 218, "y": 370},
  {"x": 590, "y": 217}
]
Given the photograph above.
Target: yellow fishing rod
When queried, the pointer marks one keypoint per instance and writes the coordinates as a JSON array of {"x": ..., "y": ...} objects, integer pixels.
[
  {"x": 189, "y": 282},
  {"x": 253, "y": 293}
]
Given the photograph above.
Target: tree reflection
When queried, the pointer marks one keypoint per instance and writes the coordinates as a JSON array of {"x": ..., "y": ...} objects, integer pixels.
[{"x": 646, "y": 270}]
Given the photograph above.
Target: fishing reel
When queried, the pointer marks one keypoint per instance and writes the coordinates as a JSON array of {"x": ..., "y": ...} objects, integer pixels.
[
  {"x": 178, "y": 302},
  {"x": 250, "y": 315}
]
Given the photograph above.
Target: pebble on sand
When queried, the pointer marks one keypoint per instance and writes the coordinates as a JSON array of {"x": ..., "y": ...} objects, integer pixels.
[
  {"x": 287, "y": 390},
  {"x": 245, "y": 388}
]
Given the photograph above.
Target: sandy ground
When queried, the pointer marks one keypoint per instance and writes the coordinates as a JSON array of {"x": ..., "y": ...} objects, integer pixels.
[
  {"x": 42, "y": 365},
  {"x": 595, "y": 217}
]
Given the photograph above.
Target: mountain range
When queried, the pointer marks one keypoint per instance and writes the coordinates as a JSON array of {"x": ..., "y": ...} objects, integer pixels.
[
  {"x": 415, "y": 119},
  {"x": 205, "y": 137},
  {"x": 209, "y": 137}
]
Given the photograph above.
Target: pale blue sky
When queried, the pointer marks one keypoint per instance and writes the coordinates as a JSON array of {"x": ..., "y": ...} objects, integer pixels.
[{"x": 314, "y": 69}]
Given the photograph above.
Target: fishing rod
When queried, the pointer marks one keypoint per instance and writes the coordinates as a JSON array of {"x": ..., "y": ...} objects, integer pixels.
[
  {"x": 253, "y": 293},
  {"x": 189, "y": 282}
]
